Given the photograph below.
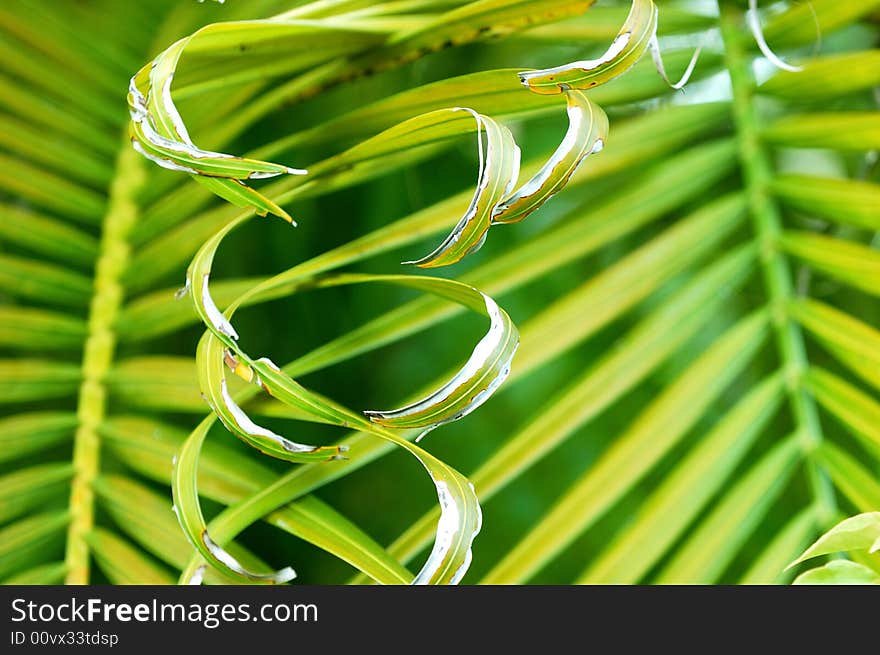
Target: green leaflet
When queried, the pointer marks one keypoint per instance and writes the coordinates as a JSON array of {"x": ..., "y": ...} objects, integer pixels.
[
  {"x": 654, "y": 432},
  {"x": 57, "y": 153},
  {"x": 51, "y": 191},
  {"x": 499, "y": 162},
  {"x": 493, "y": 200},
  {"x": 789, "y": 540},
  {"x": 47, "y": 574},
  {"x": 855, "y": 343},
  {"x": 839, "y": 572},
  {"x": 798, "y": 24},
  {"x": 603, "y": 23},
  {"x": 49, "y": 114},
  {"x": 858, "y": 483},
  {"x": 460, "y": 518},
  {"x": 849, "y": 202},
  {"x": 627, "y": 48},
  {"x": 470, "y": 387},
  {"x": 710, "y": 547},
  {"x": 841, "y": 130},
  {"x": 26, "y": 433},
  {"x": 854, "y": 408},
  {"x": 471, "y": 22},
  {"x": 820, "y": 78},
  {"x": 158, "y": 382},
  {"x": 47, "y": 236},
  {"x": 147, "y": 518},
  {"x": 24, "y": 278},
  {"x": 686, "y": 490},
  {"x": 637, "y": 35},
  {"x": 241, "y": 195},
  {"x": 460, "y": 521},
  {"x": 25, "y": 542},
  {"x": 36, "y": 379},
  {"x": 27, "y": 488},
  {"x": 197, "y": 276},
  {"x": 39, "y": 329},
  {"x": 148, "y": 447},
  {"x": 274, "y": 49},
  {"x": 853, "y": 263},
  {"x": 638, "y": 353},
  {"x": 123, "y": 563},
  {"x": 860, "y": 532}
]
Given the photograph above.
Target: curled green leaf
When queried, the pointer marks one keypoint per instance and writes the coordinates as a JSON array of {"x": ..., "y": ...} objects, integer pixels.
[
  {"x": 473, "y": 385},
  {"x": 213, "y": 357},
  {"x": 197, "y": 284},
  {"x": 637, "y": 35},
  {"x": 498, "y": 172},
  {"x": 211, "y": 361},
  {"x": 586, "y": 134},
  {"x": 162, "y": 133},
  {"x": 198, "y": 575},
  {"x": 460, "y": 522},
  {"x": 484, "y": 372},
  {"x": 627, "y": 48},
  {"x": 184, "y": 489},
  {"x": 754, "y": 22},
  {"x": 494, "y": 201},
  {"x": 654, "y": 47},
  {"x": 159, "y": 134},
  {"x": 461, "y": 516}
]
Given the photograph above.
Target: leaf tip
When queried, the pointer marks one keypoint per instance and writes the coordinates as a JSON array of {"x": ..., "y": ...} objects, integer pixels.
[{"x": 754, "y": 23}]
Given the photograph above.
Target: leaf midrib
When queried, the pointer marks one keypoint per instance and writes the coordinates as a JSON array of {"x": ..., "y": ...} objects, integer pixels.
[
  {"x": 768, "y": 226},
  {"x": 99, "y": 347}
]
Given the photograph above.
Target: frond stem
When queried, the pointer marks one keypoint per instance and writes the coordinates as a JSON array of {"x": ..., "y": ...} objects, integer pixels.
[
  {"x": 98, "y": 356},
  {"x": 767, "y": 220}
]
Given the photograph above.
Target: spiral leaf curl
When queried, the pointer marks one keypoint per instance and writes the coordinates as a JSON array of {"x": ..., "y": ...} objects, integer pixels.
[{"x": 158, "y": 132}]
